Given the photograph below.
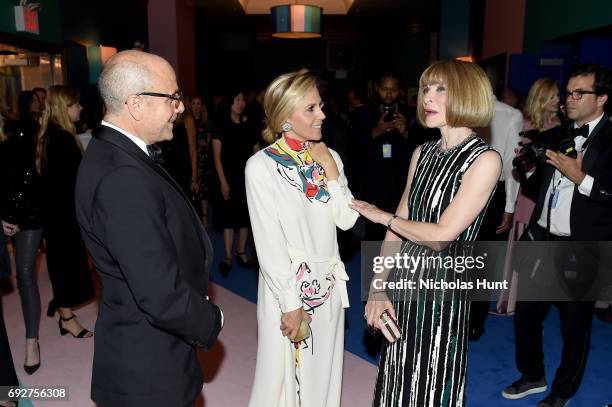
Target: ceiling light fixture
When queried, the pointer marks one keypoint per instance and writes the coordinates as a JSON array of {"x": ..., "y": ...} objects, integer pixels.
[{"x": 296, "y": 21}]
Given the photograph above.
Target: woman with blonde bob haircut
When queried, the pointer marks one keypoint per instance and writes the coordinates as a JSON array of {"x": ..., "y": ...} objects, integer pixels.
[
  {"x": 58, "y": 155},
  {"x": 450, "y": 183},
  {"x": 297, "y": 195}
]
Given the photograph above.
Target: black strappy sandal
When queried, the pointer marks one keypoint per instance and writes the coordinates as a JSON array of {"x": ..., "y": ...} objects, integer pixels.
[{"x": 64, "y": 331}]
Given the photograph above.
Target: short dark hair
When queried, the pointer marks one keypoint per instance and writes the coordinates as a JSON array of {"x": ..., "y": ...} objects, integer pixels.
[
  {"x": 391, "y": 75},
  {"x": 602, "y": 84}
]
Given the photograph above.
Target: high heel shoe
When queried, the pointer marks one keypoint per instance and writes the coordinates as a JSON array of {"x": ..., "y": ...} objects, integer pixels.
[
  {"x": 225, "y": 267},
  {"x": 64, "y": 331},
  {"x": 33, "y": 368},
  {"x": 51, "y": 309},
  {"x": 247, "y": 264}
]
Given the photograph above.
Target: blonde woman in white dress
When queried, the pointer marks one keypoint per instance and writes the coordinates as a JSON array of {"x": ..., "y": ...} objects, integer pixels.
[{"x": 297, "y": 195}]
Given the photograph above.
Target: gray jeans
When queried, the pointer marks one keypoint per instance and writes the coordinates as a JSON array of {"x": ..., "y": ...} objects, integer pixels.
[{"x": 26, "y": 249}]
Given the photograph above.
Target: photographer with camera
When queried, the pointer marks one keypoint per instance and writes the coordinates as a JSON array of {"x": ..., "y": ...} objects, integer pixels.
[
  {"x": 389, "y": 151},
  {"x": 574, "y": 203}
]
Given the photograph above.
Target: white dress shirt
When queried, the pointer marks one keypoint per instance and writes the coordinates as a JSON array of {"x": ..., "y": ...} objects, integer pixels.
[
  {"x": 139, "y": 142},
  {"x": 505, "y": 127},
  {"x": 560, "y": 213}
]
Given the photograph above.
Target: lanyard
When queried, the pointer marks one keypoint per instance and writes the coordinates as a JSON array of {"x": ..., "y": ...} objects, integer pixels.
[{"x": 551, "y": 200}]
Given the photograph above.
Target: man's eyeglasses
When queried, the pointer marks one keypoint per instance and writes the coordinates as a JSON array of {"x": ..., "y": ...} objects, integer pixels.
[
  {"x": 577, "y": 94},
  {"x": 176, "y": 97}
]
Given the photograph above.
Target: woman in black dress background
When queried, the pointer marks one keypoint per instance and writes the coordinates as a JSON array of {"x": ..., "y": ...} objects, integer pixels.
[
  {"x": 20, "y": 207},
  {"x": 58, "y": 155},
  {"x": 233, "y": 143}
]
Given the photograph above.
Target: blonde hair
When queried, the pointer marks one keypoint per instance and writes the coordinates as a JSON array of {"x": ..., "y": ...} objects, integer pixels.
[
  {"x": 469, "y": 95},
  {"x": 539, "y": 94},
  {"x": 59, "y": 99},
  {"x": 282, "y": 98}
]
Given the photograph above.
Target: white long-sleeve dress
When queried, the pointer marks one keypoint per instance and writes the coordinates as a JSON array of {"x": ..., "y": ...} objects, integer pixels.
[{"x": 294, "y": 212}]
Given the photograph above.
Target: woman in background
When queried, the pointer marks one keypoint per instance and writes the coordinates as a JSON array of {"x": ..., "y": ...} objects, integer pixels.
[
  {"x": 20, "y": 207},
  {"x": 58, "y": 155},
  {"x": 233, "y": 143}
]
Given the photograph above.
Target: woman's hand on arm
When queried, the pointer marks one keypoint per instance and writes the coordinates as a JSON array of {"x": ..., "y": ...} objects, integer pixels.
[
  {"x": 371, "y": 212},
  {"x": 473, "y": 194},
  {"x": 376, "y": 215}
]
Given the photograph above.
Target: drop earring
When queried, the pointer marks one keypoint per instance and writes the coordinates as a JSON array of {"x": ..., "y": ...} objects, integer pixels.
[{"x": 285, "y": 127}]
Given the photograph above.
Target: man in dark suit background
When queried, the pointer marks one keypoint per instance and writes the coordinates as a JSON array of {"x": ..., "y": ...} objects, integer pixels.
[
  {"x": 147, "y": 244},
  {"x": 574, "y": 203}
]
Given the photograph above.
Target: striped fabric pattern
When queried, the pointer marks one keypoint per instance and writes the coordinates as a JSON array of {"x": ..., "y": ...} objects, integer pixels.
[
  {"x": 297, "y": 18},
  {"x": 427, "y": 366}
]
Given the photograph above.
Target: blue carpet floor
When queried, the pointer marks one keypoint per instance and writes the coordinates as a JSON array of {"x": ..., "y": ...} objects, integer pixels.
[{"x": 491, "y": 364}]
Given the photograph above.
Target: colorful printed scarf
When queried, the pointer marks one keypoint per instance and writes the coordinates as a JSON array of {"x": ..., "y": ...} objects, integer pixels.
[{"x": 297, "y": 166}]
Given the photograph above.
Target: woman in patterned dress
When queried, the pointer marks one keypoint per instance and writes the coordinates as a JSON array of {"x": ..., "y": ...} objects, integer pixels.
[
  {"x": 297, "y": 196},
  {"x": 450, "y": 182}
]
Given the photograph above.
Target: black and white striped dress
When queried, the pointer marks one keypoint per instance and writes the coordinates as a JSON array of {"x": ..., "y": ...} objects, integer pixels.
[{"x": 427, "y": 366}]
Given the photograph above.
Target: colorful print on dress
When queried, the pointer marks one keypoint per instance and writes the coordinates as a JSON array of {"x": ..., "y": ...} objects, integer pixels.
[
  {"x": 311, "y": 292},
  {"x": 300, "y": 170}
]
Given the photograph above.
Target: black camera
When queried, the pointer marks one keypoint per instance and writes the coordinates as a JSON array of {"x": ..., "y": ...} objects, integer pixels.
[{"x": 534, "y": 153}]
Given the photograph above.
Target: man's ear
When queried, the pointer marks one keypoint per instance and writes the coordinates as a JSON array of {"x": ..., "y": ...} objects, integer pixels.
[
  {"x": 135, "y": 107},
  {"x": 601, "y": 100}
]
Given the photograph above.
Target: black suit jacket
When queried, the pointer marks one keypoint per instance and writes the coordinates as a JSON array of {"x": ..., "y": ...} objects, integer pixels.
[
  {"x": 153, "y": 257},
  {"x": 590, "y": 216}
]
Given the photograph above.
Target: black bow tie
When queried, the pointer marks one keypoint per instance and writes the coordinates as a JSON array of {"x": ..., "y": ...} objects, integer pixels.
[
  {"x": 154, "y": 153},
  {"x": 580, "y": 131}
]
